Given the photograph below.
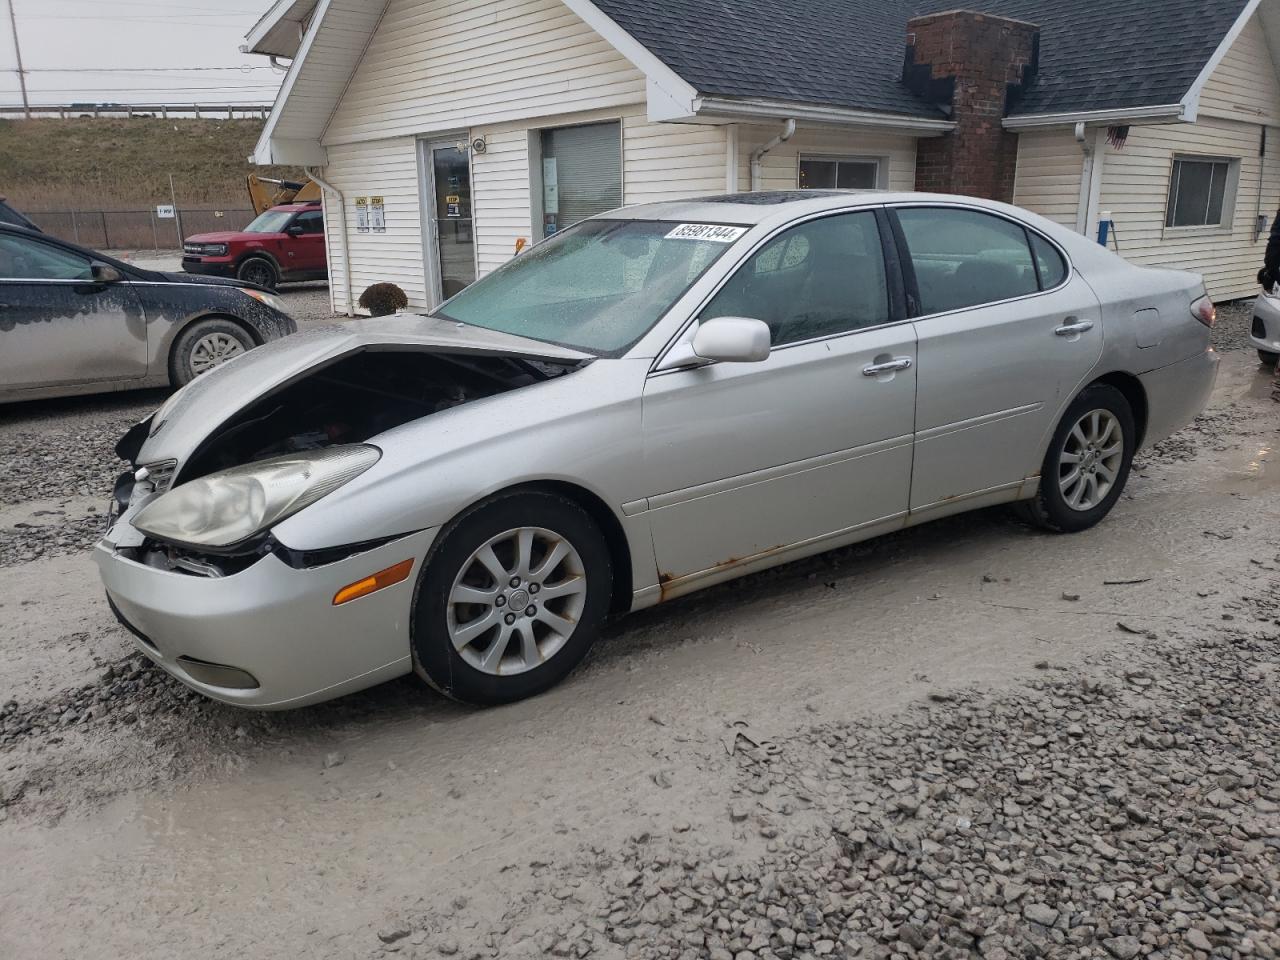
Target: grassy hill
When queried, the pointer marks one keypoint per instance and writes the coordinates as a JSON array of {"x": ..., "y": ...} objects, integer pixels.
[{"x": 104, "y": 164}]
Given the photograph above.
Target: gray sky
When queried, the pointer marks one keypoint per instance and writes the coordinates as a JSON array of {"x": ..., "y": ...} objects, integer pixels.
[{"x": 134, "y": 51}]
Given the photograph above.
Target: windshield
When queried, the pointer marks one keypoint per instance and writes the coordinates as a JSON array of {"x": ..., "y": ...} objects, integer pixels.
[
  {"x": 273, "y": 221},
  {"x": 598, "y": 287}
]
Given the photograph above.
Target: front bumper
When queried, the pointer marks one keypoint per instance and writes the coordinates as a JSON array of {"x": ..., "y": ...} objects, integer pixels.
[
  {"x": 1264, "y": 332},
  {"x": 1178, "y": 393},
  {"x": 272, "y": 621},
  {"x": 209, "y": 266}
]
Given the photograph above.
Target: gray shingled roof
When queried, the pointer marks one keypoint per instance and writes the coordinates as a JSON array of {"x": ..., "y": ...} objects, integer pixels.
[{"x": 1094, "y": 54}]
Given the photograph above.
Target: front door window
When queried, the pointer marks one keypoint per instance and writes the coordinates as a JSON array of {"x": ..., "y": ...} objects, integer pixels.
[{"x": 454, "y": 227}]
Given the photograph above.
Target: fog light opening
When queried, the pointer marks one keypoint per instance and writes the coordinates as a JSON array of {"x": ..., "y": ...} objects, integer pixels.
[
  {"x": 379, "y": 581},
  {"x": 218, "y": 674}
]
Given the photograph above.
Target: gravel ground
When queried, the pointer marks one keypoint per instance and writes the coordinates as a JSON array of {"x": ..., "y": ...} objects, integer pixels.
[{"x": 1115, "y": 811}]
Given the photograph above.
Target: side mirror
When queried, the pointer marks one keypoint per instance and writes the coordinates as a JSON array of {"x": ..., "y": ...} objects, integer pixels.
[
  {"x": 294, "y": 230},
  {"x": 105, "y": 273},
  {"x": 733, "y": 340}
]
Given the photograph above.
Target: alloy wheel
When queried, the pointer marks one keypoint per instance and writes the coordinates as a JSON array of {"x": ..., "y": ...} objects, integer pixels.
[
  {"x": 213, "y": 350},
  {"x": 1091, "y": 459},
  {"x": 517, "y": 601}
]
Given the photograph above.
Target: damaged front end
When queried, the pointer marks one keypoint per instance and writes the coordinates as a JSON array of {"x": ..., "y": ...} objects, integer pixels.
[{"x": 210, "y": 476}]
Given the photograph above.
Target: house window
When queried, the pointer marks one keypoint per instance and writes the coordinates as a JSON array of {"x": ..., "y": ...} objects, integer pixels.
[
  {"x": 835, "y": 173},
  {"x": 1201, "y": 192},
  {"x": 581, "y": 173}
]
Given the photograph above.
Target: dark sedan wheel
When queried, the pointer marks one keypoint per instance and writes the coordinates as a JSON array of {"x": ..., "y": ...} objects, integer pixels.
[
  {"x": 512, "y": 599},
  {"x": 1088, "y": 463},
  {"x": 1268, "y": 358},
  {"x": 204, "y": 345},
  {"x": 260, "y": 272}
]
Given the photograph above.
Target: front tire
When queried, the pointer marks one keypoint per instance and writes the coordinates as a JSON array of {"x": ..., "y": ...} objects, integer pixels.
[
  {"x": 1088, "y": 463},
  {"x": 511, "y": 600},
  {"x": 206, "y": 344},
  {"x": 260, "y": 272},
  {"x": 1268, "y": 358}
]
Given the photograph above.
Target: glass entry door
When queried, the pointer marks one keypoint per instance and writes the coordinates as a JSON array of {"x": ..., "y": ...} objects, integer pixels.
[{"x": 451, "y": 231}]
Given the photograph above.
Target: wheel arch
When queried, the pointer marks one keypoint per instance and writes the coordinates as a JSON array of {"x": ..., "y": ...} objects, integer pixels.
[
  {"x": 1136, "y": 394},
  {"x": 176, "y": 334},
  {"x": 596, "y": 508},
  {"x": 260, "y": 254}
]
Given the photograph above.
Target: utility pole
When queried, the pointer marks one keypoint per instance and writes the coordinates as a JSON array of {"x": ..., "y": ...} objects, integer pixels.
[{"x": 22, "y": 75}]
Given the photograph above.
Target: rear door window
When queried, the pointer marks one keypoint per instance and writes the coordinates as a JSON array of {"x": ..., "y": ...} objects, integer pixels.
[{"x": 965, "y": 258}]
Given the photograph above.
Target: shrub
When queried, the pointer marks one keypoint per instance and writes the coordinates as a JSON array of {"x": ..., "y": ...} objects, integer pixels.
[{"x": 383, "y": 299}]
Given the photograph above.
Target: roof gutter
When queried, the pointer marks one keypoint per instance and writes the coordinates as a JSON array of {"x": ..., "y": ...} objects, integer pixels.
[
  {"x": 1165, "y": 113},
  {"x": 764, "y": 110},
  {"x": 757, "y": 155}
]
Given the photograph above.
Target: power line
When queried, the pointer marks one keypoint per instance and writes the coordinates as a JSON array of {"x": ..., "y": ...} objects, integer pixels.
[{"x": 243, "y": 69}]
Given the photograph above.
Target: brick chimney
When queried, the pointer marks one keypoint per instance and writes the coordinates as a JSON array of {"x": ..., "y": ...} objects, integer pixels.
[{"x": 975, "y": 66}]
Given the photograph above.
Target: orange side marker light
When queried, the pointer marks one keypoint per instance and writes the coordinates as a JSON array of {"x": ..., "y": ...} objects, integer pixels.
[{"x": 379, "y": 581}]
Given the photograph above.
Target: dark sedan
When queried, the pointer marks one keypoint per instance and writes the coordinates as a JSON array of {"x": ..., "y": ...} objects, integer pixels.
[{"x": 73, "y": 321}]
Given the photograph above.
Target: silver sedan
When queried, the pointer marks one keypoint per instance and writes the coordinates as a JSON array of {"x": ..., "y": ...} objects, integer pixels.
[{"x": 656, "y": 400}]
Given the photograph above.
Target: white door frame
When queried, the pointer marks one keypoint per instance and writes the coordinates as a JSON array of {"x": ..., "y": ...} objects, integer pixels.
[{"x": 427, "y": 207}]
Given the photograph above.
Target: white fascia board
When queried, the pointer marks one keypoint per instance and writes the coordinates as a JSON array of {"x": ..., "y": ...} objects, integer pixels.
[
  {"x": 265, "y": 153},
  {"x": 291, "y": 153},
  {"x": 1167, "y": 113},
  {"x": 1191, "y": 102},
  {"x": 766, "y": 110},
  {"x": 267, "y": 24},
  {"x": 670, "y": 97}
]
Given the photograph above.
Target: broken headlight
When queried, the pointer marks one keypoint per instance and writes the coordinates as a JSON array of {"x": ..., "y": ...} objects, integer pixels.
[{"x": 227, "y": 508}]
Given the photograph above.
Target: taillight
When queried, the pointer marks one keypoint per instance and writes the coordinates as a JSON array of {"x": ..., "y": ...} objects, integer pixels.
[{"x": 1204, "y": 311}]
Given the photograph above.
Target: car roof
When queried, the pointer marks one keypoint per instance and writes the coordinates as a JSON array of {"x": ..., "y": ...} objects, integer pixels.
[
  {"x": 750, "y": 209},
  {"x": 295, "y": 207}
]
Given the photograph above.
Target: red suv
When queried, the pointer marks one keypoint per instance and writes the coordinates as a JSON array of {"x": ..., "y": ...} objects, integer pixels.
[{"x": 285, "y": 243}]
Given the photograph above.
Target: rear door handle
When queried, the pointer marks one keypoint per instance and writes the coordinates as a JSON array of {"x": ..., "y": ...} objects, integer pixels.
[
  {"x": 1074, "y": 328},
  {"x": 893, "y": 366}
]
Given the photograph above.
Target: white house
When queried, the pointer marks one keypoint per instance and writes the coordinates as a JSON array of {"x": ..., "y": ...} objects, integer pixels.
[{"x": 445, "y": 132}]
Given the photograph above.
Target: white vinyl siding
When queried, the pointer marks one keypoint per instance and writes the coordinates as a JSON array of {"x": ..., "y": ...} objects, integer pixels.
[
  {"x": 660, "y": 161},
  {"x": 387, "y": 169},
  {"x": 438, "y": 65},
  {"x": 781, "y": 166},
  {"x": 1050, "y": 164},
  {"x": 500, "y": 191},
  {"x": 672, "y": 161},
  {"x": 1135, "y": 191},
  {"x": 1244, "y": 86}
]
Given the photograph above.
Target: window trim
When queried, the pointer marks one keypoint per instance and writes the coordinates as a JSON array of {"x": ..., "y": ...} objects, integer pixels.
[
  {"x": 881, "y": 163},
  {"x": 1229, "y": 197},
  {"x": 533, "y": 146},
  {"x": 909, "y": 272},
  {"x": 895, "y": 279}
]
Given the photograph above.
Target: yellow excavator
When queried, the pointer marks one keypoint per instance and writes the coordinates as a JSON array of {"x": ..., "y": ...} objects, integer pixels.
[{"x": 266, "y": 193}]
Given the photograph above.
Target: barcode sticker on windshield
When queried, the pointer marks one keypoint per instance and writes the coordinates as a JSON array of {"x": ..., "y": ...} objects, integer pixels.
[{"x": 713, "y": 232}]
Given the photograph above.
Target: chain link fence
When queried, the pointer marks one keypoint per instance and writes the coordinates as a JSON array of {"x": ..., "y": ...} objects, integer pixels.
[{"x": 137, "y": 229}]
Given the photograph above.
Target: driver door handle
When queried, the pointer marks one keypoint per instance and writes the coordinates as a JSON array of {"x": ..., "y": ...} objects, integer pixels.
[
  {"x": 1073, "y": 327},
  {"x": 893, "y": 366}
]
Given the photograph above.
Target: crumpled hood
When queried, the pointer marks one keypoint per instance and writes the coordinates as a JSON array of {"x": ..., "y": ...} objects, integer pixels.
[{"x": 196, "y": 411}]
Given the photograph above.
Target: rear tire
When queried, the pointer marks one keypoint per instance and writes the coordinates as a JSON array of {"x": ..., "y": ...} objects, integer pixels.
[
  {"x": 511, "y": 599},
  {"x": 1088, "y": 463},
  {"x": 260, "y": 272},
  {"x": 204, "y": 345},
  {"x": 1268, "y": 358}
]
